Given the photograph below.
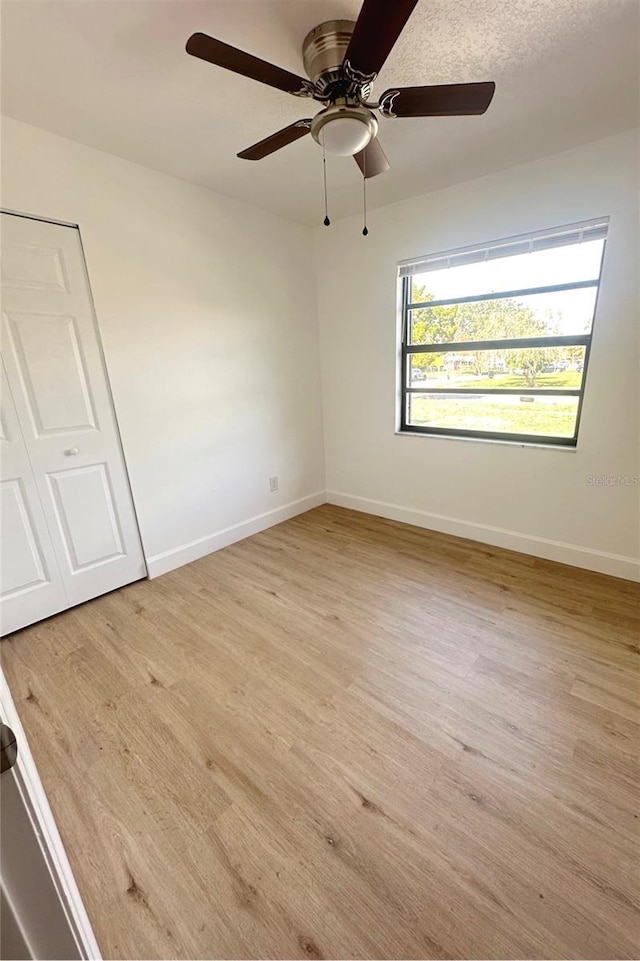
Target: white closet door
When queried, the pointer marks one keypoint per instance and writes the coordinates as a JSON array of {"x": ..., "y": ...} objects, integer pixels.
[
  {"x": 29, "y": 576},
  {"x": 54, "y": 364}
]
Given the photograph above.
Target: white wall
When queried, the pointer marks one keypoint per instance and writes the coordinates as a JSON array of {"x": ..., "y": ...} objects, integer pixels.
[
  {"x": 531, "y": 499},
  {"x": 206, "y": 308}
]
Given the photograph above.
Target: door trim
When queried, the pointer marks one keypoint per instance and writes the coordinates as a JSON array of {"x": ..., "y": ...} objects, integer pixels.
[
  {"x": 46, "y": 220},
  {"x": 37, "y": 805}
]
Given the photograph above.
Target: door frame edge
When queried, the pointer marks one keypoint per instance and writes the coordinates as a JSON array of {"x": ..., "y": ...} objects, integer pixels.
[
  {"x": 46, "y": 220},
  {"x": 45, "y": 827},
  {"x": 112, "y": 400}
]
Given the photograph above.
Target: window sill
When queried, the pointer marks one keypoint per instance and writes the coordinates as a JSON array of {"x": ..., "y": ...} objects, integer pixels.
[{"x": 485, "y": 440}]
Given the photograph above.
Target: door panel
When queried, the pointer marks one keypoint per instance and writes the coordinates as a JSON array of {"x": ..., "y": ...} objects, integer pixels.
[
  {"x": 86, "y": 515},
  {"x": 27, "y": 564},
  {"x": 29, "y": 577},
  {"x": 52, "y": 372},
  {"x": 55, "y": 368},
  {"x": 32, "y": 267}
]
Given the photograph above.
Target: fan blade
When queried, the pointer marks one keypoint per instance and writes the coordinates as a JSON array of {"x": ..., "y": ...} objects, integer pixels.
[
  {"x": 372, "y": 160},
  {"x": 444, "y": 100},
  {"x": 377, "y": 28},
  {"x": 277, "y": 140},
  {"x": 223, "y": 55}
]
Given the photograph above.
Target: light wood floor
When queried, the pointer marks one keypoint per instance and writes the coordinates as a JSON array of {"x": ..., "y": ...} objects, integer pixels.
[{"x": 346, "y": 738}]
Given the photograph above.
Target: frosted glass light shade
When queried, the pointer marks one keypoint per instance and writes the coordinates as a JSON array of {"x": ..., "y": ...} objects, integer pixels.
[{"x": 345, "y": 136}]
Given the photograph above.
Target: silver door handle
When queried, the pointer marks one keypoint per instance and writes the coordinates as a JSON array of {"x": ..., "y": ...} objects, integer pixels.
[{"x": 70, "y": 451}]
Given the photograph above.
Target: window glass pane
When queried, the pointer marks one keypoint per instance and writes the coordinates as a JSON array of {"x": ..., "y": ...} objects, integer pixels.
[
  {"x": 561, "y": 265},
  {"x": 495, "y": 413},
  {"x": 535, "y": 315},
  {"x": 548, "y": 368}
]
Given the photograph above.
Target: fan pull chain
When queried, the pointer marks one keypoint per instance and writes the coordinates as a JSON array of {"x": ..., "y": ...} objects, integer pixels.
[
  {"x": 365, "y": 229},
  {"x": 326, "y": 220}
]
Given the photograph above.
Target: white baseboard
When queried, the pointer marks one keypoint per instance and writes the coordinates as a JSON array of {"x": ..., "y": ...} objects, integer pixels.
[
  {"x": 177, "y": 556},
  {"x": 616, "y": 565}
]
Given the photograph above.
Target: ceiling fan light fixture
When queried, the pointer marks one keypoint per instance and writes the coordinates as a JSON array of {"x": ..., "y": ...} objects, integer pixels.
[
  {"x": 345, "y": 136},
  {"x": 344, "y": 130}
]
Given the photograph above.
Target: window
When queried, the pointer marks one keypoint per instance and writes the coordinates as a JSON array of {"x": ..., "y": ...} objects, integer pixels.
[{"x": 496, "y": 339}]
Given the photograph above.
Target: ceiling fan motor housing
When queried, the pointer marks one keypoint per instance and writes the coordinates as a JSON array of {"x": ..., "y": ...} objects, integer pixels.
[
  {"x": 323, "y": 51},
  {"x": 345, "y": 126}
]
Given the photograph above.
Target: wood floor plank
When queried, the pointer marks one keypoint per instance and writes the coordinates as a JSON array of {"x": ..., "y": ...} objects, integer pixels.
[{"x": 346, "y": 738}]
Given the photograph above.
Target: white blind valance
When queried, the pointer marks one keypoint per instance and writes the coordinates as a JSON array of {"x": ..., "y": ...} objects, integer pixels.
[{"x": 524, "y": 244}]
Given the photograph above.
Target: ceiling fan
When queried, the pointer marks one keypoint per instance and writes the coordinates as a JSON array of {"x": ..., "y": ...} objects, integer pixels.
[{"x": 342, "y": 59}]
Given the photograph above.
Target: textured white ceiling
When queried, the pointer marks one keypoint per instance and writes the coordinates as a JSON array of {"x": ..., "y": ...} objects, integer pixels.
[{"x": 113, "y": 74}]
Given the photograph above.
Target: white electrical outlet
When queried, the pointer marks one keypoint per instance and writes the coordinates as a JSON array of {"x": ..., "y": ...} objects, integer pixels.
[{"x": 273, "y": 484}]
